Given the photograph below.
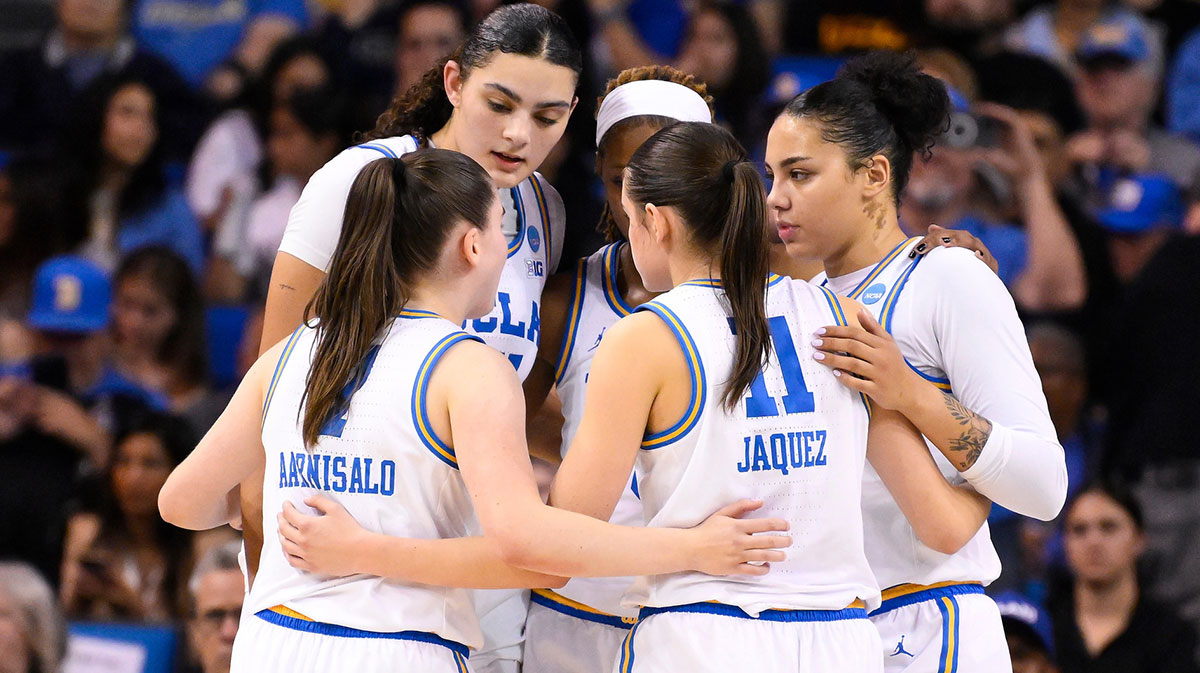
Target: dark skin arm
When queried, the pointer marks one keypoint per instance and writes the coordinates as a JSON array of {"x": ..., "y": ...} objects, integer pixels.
[{"x": 556, "y": 300}]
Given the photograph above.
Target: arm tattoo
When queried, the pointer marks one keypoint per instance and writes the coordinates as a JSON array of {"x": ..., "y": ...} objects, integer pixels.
[
  {"x": 285, "y": 286},
  {"x": 975, "y": 432}
]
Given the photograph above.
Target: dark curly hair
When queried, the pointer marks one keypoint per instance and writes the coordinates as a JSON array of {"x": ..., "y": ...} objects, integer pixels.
[
  {"x": 607, "y": 225},
  {"x": 523, "y": 29},
  {"x": 879, "y": 103}
]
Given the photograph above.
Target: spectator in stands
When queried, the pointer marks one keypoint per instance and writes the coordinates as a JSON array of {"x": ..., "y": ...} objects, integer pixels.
[
  {"x": 90, "y": 39},
  {"x": 215, "y": 594},
  {"x": 28, "y": 234},
  {"x": 723, "y": 48},
  {"x": 33, "y": 635},
  {"x": 223, "y": 177},
  {"x": 305, "y": 131},
  {"x": 1143, "y": 213},
  {"x": 1056, "y": 31},
  {"x": 115, "y": 194},
  {"x": 1029, "y": 633},
  {"x": 122, "y": 561},
  {"x": 429, "y": 30},
  {"x": 159, "y": 333},
  {"x": 1183, "y": 105},
  {"x": 1103, "y": 621},
  {"x": 1039, "y": 258},
  {"x": 197, "y": 36},
  {"x": 1118, "y": 89}
]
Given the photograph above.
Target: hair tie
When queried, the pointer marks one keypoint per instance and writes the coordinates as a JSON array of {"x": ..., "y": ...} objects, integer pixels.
[{"x": 727, "y": 170}]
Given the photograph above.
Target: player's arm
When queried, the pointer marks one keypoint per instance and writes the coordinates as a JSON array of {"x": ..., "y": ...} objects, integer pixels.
[
  {"x": 490, "y": 445},
  {"x": 556, "y": 314},
  {"x": 202, "y": 492},
  {"x": 995, "y": 428}
]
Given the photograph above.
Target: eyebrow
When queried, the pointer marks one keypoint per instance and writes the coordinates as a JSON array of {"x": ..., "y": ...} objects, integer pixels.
[
  {"x": 517, "y": 99},
  {"x": 792, "y": 160}
]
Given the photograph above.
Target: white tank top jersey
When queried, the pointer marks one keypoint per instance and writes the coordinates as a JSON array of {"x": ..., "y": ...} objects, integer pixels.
[
  {"x": 797, "y": 441},
  {"x": 384, "y": 464},
  {"x": 596, "y": 304},
  {"x": 957, "y": 327},
  {"x": 534, "y": 220}
]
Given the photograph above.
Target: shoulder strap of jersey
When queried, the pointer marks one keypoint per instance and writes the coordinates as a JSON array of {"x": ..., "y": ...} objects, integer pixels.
[
  {"x": 420, "y": 414},
  {"x": 699, "y": 392},
  {"x": 283, "y": 358},
  {"x": 574, "y": 312}
]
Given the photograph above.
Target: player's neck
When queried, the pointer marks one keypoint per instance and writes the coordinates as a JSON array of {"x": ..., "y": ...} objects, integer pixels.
[
  {"x": 446, "y": 302},
  {"x": 867, "y": 249},
  {"x": 685, "y": 267},
  {"x": 629, "y": 281},
  {"x": 444, "y": 138}
]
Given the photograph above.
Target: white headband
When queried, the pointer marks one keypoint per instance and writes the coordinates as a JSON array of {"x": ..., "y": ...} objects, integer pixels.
[{"x": 650, "y": 97}]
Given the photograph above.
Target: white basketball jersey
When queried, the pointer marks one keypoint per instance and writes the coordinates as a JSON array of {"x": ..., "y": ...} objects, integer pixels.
[
  {"x": 897, "y": 556},
  {"x": 534, "y": 210},
  {"x": 596, "y": 304},
  {"x": 381, "y": 461},
  {"x": 797, "y": 441}
]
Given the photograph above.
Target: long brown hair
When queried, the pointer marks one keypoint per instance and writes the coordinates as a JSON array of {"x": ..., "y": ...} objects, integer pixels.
[
  {"x": 522, "y": 29},
  {"x": 398, "y": 217},
  {"x": 665, "y": 73},
  {"x": 703, "y": 172}
]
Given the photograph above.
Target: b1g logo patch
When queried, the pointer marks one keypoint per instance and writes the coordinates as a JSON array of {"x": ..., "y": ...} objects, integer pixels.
[
  {"x": 534, "y": 268},
  {"x": 873, "y": 293},
  {"x": 535, "y": 239}
]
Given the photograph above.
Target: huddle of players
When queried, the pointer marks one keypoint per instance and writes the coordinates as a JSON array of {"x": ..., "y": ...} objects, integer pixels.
[{"x": 391, "y": 424}]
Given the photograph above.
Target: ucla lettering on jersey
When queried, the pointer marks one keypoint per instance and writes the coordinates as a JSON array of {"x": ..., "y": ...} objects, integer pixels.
[
  {"x": 514, "y": 325},
  {"x": 796, "y": 441},
  {"x": 380, "y": 460}
]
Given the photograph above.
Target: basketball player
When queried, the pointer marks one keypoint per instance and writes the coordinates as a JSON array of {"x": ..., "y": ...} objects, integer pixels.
[
  {"x": 503, "y": 99},
  {"x": 422, "y": 250},
  {"x": 839, "y": 156},
  {"x": 685, "y": 388}
]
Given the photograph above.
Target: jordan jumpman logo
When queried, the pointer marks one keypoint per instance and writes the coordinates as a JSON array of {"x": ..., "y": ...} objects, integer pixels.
[{"x": 900, "y": 648}]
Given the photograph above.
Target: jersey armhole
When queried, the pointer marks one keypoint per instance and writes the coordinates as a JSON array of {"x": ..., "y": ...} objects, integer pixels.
[
  {"x": 420, "y": 414},
  {"x": 699, "y": 392},
  {"x": 574, "y": 312},
  {"x": 839, "y": 315},
  {"x": 288, "y": 347}
]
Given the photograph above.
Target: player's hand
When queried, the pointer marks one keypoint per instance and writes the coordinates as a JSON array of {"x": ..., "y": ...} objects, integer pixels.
[
  {"x": 868, "y": 360},
  {"x": 955, "y": 238},
  {"x": 327, "y": 543},
  {"x": 727, "y": 544}
]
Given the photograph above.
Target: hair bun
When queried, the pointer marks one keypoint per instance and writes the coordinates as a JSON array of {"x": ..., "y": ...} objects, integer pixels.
[{"x": 916, "y": 104}]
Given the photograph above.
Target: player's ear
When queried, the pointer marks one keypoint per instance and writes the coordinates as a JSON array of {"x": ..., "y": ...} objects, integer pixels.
[
  {"x": 470, "y": 246},
  {"x": 662, "y": 221}
]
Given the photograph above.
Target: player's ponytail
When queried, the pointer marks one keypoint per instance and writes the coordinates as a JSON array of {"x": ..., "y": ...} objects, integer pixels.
[
  {"x": 398, "y": 216},
  {"x": 700, "y": 170},
  {"x": 522, "y": 29}
]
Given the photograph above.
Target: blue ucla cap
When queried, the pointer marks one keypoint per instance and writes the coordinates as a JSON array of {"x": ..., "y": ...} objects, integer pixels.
[
  {"x": 1025, "y": 619},
  {"x": 1123, "y": 36},
  {"x": 1140, "y": 203},
  {"x": 70, "y": 294}
]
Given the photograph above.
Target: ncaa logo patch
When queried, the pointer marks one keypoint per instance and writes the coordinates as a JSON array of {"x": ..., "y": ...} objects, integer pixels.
[
  {"x": 535, "y": 239},
  {"x": 873, "y": 293}
]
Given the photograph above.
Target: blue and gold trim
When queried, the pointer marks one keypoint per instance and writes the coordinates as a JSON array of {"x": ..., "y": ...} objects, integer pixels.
[
  {"x": 544, "y": 211},
  {"x": 515, "y": 244},
  {"x": 658, "y": 440},
  {"x": 283, "y": 358},
  {"x": 948, "y": 661},
  {"x": 563, "y": 605},
  {"x": 903, "y": 595},
  {"x": 609, "y": 274},
  {"x": 774, "y": 279},
  {"x": 855, "y": 611},
  {"x": 416, "y": 314},
  {"x": 420, "y": 414},
  {"x": 703, "y": 282},
  {"x": 301, "y": 623},
  {"x": 941, "y": 383},
  {"x": 883, "y": 264},
  {"x": 460, "y": 662},
  {"x": 625, "y": 664},
  {"x": 574, "y": 313},
  {"x": 381, "y": 148},
  {"x": 888, "y": 312}
]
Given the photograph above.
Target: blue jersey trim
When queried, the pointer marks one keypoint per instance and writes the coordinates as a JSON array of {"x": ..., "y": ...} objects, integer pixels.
[
  {"x": 517, "y": 242},
  {"x": 695, "y": 406},
  {"x": 948, "y": 662},
  {"x": 609, "y": 274},
  {"x": 765, "y": 615},
  {"x": 928, "y": 595},
  {"x": 337, "y": 631},
  {"x": 547, "y": 599},
  {"x": 883, "y": 264},
  {"x": 625, "y": 664},
  {"x": 544, "y": 211},
  {"x": 839, "y": 315},
  {"x": 941, "y": 383},
  {"x": 420, "y": 414},
  {"x": 416, "y": 314},
  {"x": 283, "y": 358},
  {"x": 887, "y": 313},
  {"x": 574, "y": 313},
  {"x": 382, "y": 149}
]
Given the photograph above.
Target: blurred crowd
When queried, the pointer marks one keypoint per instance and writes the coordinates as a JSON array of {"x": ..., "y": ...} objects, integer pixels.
[{"x": 151, "y": 150}]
